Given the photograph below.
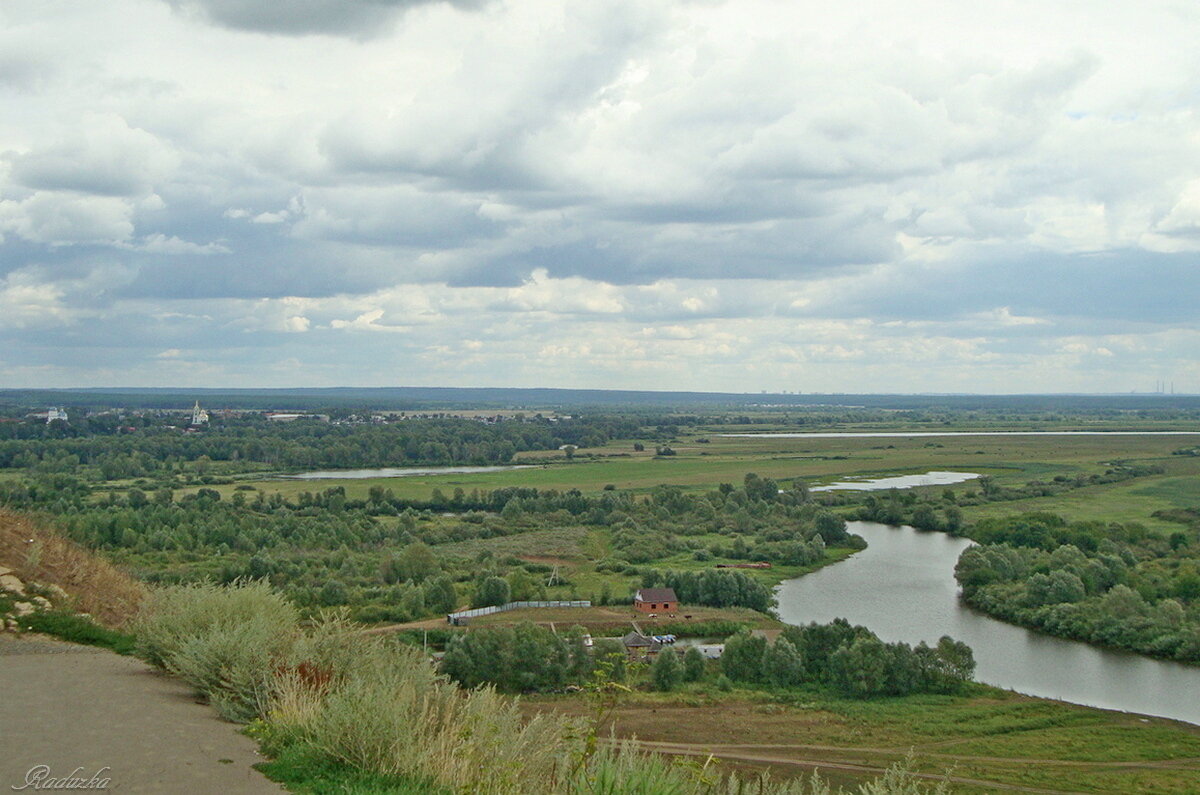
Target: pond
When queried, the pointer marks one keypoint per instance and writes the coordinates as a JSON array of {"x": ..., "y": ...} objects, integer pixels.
[
  {"x": 406, "y": 472},
  {"x": 899, "y": 482},
  {"x": 902, "y": 587}
]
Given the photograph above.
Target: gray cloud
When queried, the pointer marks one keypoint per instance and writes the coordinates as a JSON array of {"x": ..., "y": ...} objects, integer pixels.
[{"x": 359, "y": 18}]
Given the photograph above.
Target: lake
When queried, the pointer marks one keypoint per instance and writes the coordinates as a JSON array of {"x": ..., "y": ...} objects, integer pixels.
[
  {"x": 407, "y": 472},
  {"x": 910, "y": 434},
  {"x": 899, "y": 482},
  {"x": 902, "y": 587}
]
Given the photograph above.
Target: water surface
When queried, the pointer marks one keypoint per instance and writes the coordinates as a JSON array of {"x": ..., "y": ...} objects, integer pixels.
[
  {"x": 362, "y": 474},
  {"x": 909, "y": 434},
  {"x": 899, "y": 482},
  {"x": 902, "y": 587}
]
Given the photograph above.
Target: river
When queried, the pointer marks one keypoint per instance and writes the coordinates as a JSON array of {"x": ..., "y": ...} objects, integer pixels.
[
  {"x": 902, "y": 587},
  {"x": 910, "y": 434},
  {"x": 407, "y": 472}
]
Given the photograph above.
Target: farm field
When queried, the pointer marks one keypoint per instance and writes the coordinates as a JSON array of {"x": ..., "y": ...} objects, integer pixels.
[
  {"x": 989, "y": 741},
  {"x": 1009, "y": 461}
]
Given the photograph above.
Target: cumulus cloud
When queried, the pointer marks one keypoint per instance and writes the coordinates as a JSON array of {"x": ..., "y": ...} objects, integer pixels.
[
  {"x": 99, "y": 154},
  {"x": 56, "y": 218}
]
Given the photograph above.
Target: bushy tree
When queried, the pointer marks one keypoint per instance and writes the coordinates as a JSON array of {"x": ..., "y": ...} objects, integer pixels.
[
  {"x": 667, "y": 672},
  {"x": 440, "y": 596},
  {"x": 518, "y": 659},
  {"x": 830, "y": 526},
  {"x": 782, "y": 664},
  {"x": 742, "y": 659},
  {"x": 693, "y": 665},
  {"x": 491, "y": 591}
]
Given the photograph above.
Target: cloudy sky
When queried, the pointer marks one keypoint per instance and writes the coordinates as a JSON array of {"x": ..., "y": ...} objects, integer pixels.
[{"x": 999, "y": 196}]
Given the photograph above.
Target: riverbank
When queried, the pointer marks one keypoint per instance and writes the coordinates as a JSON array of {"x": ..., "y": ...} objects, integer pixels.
[{"x": 903, "y": 588}]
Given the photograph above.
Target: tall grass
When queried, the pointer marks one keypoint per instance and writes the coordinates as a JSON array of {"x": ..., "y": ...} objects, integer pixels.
[
  {"x": 370, "y": 705},
  {"x": 224, "y": 642}
]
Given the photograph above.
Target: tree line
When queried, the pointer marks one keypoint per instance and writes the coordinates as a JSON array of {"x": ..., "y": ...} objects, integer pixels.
[{"x": 1112, "y": 584}]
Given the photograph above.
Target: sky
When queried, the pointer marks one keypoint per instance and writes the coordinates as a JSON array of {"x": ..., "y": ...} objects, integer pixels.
[{"x": 993, "y": 197}]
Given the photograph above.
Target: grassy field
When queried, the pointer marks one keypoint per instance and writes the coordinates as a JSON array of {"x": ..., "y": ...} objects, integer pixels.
[
  {"x": 985, "y": 742},
  {"x": 1011, "y": 461}
]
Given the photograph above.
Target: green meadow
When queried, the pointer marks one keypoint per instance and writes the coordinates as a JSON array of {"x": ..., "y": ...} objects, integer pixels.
[{"x": 704, "y": 459}]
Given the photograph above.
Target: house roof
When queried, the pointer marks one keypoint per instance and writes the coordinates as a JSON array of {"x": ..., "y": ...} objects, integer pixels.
[
  {"x": 633, "y": 640},
  {"x": 656, "y": 595}
]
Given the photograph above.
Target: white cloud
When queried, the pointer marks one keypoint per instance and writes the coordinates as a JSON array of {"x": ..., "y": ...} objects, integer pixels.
[{"x": 57, "y": 218}]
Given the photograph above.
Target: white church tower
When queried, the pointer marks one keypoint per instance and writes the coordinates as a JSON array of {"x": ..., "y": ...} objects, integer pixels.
[{"x": 199, "y": 415}]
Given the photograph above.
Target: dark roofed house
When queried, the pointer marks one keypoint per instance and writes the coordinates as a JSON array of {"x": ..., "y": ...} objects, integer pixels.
[
  {"x": 638, "y": 646},
  {"x": 656, "y": 600}
]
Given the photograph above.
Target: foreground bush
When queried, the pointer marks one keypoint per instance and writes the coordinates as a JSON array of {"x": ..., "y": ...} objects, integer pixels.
[{"x": 233, "y": 643}]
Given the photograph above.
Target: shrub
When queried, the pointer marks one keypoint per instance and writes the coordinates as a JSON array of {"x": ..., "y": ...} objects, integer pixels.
[{"x": 224, "y": 642}]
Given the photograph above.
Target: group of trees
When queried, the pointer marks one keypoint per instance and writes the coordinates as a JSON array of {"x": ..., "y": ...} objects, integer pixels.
[
  {"x": 157, "y": 450},
  {"x": 850, "y": 659},
  {"x": 1118, "y": 585},
  {"x": 378, "y": 552},
  {"x": 522, "y": 658},
  {"x": 713, "y": 588}
]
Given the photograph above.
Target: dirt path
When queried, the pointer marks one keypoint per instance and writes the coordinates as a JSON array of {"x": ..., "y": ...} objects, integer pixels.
[
  {"x": 73, "y": 708},
  {"x": 686, "y": 749},
  {"x": 721, "y": 748}
]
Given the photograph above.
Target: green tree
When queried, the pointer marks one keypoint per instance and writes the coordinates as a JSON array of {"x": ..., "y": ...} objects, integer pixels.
[
  {"x": 693, "y": 665},
  {"x": 333, "y": 593},
  {"x": 440, "y": 596},
  {"x": 491, "y": 591},
  {"x": 416, "y": 563},
  {"x": 520, "y": 585},
  {"x": 666, "y": 673},
  {"x": 413, "y": 601},
  {"x": 742, "y": 659},
  {"x": 782, "y": 664},
  {"x": 830, "y": 526},
  {"x": 861, "y": 669}
]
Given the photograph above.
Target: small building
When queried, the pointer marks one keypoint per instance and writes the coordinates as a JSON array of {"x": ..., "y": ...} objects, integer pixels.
[
  {"x": 639, "y": 647},
  {"x": 655, "y": 600},
  {"x": 56, "y": 414}
]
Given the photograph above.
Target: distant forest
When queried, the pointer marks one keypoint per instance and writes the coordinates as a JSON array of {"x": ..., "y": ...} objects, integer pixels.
[{"x": 435, "y": 398}]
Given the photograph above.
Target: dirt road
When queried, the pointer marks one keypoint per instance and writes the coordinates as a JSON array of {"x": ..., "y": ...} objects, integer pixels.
[{"x": 77, "y": 712}]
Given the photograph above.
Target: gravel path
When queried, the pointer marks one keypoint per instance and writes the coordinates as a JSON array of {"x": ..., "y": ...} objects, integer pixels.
[{"x": 77, "y": 710}]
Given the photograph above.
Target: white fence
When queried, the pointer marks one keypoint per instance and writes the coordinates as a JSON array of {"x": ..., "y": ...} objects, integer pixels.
[{"x": 459, "y": 618}]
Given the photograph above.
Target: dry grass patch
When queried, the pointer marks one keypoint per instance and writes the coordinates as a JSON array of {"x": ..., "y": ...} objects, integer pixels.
[{"x": 36, "y": 552}]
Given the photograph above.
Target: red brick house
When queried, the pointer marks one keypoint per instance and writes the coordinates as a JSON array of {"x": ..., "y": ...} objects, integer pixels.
[{"x": 656, "y": 600}]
